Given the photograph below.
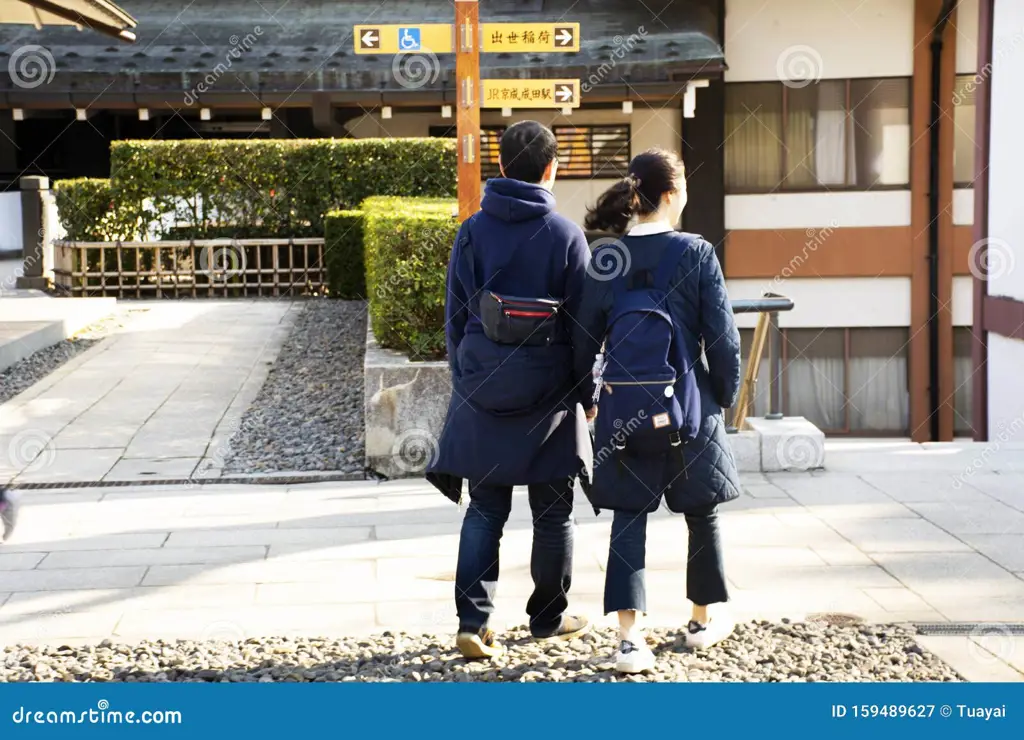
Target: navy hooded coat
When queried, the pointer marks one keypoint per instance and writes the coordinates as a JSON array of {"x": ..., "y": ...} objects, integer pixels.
[
  {"x": 699, "y": 305},
  {"x": 516, "y": 412}
]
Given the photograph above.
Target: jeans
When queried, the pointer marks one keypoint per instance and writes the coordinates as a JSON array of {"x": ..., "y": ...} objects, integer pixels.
[
  {"x": 476, "y": 577},
  {"x": 625, "y": 587}
]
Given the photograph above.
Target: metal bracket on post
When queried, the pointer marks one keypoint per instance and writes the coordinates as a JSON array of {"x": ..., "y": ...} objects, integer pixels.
[
  {"x": 468, "y": 149},
  {"x": 775, "y": 368},
  {"x": 467, "y": 93}
]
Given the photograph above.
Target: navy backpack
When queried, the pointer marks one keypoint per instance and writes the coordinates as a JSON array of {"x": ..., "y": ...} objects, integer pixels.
[{"x": 649, "y": 403}]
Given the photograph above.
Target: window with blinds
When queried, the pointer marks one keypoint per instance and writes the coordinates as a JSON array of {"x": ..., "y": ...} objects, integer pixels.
[
  {"x": 490, "y": 151},
  {"x": 825, "y": 135},
  {"x": 592, "y": 151},
  {"x": 964, "y": 92}
]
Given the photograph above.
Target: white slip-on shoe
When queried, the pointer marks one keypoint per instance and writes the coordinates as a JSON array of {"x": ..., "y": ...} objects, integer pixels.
[
  {"x": 633, "y": 658},
  {"x": 703, "y": 636}
]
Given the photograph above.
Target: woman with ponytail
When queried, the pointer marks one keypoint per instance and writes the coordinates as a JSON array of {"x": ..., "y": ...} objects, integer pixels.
[{"x": 646, "y": 253}]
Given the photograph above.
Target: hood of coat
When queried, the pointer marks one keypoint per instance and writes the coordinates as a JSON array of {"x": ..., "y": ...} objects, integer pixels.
[{"x": 515, "y": 200}]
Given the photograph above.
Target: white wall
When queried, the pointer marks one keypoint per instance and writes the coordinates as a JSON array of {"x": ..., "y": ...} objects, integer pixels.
[
  {"x": 10, "y": 221},
  {"x": 967, "y": 37},
  {"x": 649, "y": 128},
  {"x": 1006, "y": 156},
  {"x": 963, "y": 207},
  {"x": 963, "y": 300},
  {"x": 817, "y": 210},
  {"x": 1005, "y": 391},
  {"x": 831, "y": 302},
  {"x": 818, "y": 39}
]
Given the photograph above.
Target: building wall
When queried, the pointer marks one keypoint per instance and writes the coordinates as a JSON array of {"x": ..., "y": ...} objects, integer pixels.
[
  {"x": 1005, "y": 226},
  {"x": 836, "y": 39},
  {"x": 649, "y": 128},
  {"x": 10, "y": 221}
]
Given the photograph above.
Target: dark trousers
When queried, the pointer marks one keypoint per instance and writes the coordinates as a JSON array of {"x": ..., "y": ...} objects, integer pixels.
[
  {"x": 476, "y": 577},
  {"x": 624, "y": 585}
]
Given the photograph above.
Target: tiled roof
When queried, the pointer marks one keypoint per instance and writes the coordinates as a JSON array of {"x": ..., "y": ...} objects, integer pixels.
[{"x": 308, "y": 45}]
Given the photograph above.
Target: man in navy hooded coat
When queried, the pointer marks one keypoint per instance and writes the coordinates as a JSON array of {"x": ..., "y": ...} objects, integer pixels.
[{"x": 518, "y": 413}]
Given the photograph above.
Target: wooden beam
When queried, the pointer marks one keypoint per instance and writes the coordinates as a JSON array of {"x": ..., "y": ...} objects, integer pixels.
[{"x": 467, "y": 116}]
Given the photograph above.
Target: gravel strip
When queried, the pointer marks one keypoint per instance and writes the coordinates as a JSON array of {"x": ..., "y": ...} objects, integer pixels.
[
  {"x": 757, "y": 651},
  {"x": 308, "y": 415},
  {"x": 26, "y": 373}
]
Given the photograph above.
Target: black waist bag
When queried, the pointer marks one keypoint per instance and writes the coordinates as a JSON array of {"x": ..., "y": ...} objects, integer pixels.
[{"x": 532, "y": 322}]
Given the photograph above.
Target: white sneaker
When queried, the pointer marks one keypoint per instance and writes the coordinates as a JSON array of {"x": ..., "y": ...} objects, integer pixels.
[
  {"x": 633, "y": 658},
  {"x": 702, "y": 636}
]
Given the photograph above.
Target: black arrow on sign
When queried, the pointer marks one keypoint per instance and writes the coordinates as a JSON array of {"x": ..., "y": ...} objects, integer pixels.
[
  {"x": 370, "y": 39},
  {"x": 564, "y": 35},
  {"x": 564, "y": 93}
]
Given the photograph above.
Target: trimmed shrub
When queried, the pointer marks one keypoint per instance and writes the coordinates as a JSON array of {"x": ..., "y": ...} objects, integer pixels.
[
  {"x": 271, "y": 187},
  {"x": 89, "y": 211},
  {"x": 343, "y": 254},
  {"x": 407, "y": 244}
]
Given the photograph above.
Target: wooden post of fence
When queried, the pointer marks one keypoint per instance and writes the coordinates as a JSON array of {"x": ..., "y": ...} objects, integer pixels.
[{"x": 467, "y": 117}]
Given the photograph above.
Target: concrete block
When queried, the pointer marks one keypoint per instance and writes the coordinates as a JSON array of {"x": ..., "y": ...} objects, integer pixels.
[
  {"x": 406, "y": 405},
  {"x": 746, "y": 449},
  {"x": 792, "y": 443}
]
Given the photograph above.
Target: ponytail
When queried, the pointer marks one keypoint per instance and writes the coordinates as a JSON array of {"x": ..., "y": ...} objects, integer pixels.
[
  {"x": 651, "y": 174},
  {"x": 615, "y": 208}
]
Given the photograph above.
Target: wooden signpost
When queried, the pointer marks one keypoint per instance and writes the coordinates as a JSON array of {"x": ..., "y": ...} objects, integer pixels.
[{"x": 466, "y": 39}]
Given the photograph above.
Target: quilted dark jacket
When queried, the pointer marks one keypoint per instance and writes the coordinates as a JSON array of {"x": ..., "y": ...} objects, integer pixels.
[{"x": 699, "y": 305}]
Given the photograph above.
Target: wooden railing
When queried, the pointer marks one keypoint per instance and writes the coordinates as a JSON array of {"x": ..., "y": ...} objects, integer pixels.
[
  {"x": 767, "y": 330},
  {"x": 197, "y": 268}
]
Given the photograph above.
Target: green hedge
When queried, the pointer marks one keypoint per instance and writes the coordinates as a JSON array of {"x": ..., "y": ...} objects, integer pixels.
[
  {"x": 272, "y": 187},
  {"x": 89, "y": 211},
  {"x": 343, "y": 254},
  {"x": 408, "y": 242}
]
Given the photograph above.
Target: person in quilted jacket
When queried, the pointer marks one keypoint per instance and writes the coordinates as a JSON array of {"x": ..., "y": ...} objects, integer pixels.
[{"x": 642, "y": 211}]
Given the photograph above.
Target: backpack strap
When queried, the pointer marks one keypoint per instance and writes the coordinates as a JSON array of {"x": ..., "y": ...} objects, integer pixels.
[{"x": 670, "y": 258}]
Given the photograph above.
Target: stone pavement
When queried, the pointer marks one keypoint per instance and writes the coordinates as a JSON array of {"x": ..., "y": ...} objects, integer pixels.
[
  {"x": 158, "y": 400},
  {"x": 898, "y": 532}
]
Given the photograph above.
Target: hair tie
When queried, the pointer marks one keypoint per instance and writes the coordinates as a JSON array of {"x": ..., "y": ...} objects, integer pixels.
[{"x": 633, "y": 180}]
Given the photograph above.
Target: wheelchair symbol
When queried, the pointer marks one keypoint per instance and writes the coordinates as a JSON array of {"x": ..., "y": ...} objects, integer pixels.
[{"x": 409, "y": 39}]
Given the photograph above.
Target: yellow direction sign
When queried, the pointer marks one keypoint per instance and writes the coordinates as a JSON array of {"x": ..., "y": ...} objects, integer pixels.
[
  {"x": 435, "y": 38},
  {"x": 530, "y": 37},
  {"x": 530, "y": 94}
]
